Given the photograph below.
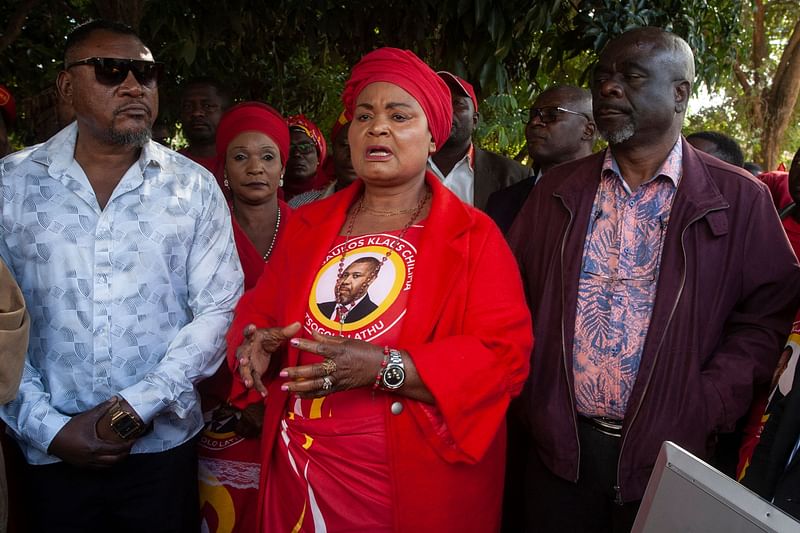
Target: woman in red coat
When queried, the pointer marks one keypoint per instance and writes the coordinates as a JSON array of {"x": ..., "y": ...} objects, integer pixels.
[{"x": 399, "y": 335}]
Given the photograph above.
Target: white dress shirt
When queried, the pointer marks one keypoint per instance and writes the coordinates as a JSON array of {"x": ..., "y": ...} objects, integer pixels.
[{"x": 131, "y": 300}]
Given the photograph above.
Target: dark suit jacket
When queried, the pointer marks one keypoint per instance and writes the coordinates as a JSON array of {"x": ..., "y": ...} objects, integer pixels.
[
  {"x": 494, "y": 172},
  {"x": 362, "y": 309},
  {"x": 768, "y": 475},
  {"x": 503, "y": 205}
]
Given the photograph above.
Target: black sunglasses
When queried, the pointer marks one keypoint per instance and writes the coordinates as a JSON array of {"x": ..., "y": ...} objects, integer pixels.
[
  {"x": 303, "y": 147},
  {"x": 112, "y": 71},
  {"x": 550, "y": 114}
]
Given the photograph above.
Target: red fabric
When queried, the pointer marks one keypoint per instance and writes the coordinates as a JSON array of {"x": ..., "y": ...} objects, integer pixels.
[
  {"x": 312, "y": 130},
  {"x": 252, "y": 261},
  {"x": 778, "y": 184},
  {"x": 468, "y": 330},
  {"x": 461, "y": 82},
  {"x": 404, "y": 69},
  {"x": 320, "y": 431},
  {"x": 792, "y": 229},
  {"x": 327, "y": 169},
  {"x": 321, "y": 178},
  {"x": 7, "y": 106},
  {"x": 253, "y": 116},
  {"x": 228, "y": 463}
]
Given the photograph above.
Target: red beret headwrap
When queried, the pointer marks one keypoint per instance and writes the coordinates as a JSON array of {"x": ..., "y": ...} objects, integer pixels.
[
  {"x": 301, "y": 122},
  {"x": 7, "y": 107},
  {"x": 252, "y": 116},
  {"x": 404, "y": 69}
]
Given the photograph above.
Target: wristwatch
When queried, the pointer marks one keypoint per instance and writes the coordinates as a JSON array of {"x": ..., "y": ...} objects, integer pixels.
[
  {"x": 394, "y": 374},
  {"x": 124, "y": 423}
]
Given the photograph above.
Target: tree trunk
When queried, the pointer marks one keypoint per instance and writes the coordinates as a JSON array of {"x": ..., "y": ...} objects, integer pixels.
[{"x": 781, "y": 100}]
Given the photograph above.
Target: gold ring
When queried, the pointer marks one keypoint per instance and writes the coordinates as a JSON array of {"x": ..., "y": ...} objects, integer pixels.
[{"x": 329, "y": 366}]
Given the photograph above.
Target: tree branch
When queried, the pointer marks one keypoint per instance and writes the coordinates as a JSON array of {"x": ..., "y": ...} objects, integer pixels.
[
  {"x": 741, "y": 77},
  {"x": 16, "y": 22}
]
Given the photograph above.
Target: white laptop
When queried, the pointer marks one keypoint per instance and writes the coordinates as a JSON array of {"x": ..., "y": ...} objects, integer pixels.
[{"x": 685, "y": 494}]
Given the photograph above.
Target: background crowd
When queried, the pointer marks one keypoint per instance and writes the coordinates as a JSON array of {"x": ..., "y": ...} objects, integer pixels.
[{"x": 419, "y": 334}]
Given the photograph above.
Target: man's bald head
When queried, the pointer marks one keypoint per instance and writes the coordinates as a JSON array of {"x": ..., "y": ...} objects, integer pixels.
[
  {"x": 569, "y": 135},
  {"x": 676, "y": 54}
]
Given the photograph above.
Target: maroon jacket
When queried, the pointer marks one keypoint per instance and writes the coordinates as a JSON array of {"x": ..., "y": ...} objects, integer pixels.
[{"x": 727, "y": 290}]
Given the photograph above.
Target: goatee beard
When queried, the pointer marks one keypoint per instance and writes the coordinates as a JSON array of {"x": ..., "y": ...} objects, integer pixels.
[
  {"x": 137, "y": 138},
  {"x": 620, "y": 135}
]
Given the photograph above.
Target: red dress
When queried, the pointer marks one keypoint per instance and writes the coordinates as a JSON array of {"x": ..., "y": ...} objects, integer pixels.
[
  {"x": 467, "y": 329},
  {"x": 229, "y": 464}
]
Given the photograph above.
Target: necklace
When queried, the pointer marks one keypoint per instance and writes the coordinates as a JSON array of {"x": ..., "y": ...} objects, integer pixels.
[
  {"x": 274, "y": 236},
  {"x": 378, "y": 212},
  {"x": 341, "y": 308}
]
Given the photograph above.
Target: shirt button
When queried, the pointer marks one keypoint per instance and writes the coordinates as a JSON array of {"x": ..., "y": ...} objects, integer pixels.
[
  {"x": 397, "y": 408},
  {"x": 632, "y": 203}
]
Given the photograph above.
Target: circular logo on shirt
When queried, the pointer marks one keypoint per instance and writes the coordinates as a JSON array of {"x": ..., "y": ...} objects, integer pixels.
[{"x": 361, "y": 296}]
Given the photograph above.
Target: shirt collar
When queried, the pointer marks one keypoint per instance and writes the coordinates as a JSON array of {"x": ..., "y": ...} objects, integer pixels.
[
  {"x": 469, "y": 157},
  {"x": 58, "y": 152},
  {"x": 671, "y": 167}
]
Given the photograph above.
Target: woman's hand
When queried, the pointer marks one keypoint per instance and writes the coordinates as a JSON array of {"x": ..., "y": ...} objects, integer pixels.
[
  {"x": 256, "y": 350},
  {"x": 348, "y": 364}
]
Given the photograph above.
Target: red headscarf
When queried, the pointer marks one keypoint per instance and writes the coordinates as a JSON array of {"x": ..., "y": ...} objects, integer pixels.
[
  {"x": 252, "y": 116},
  {"x": 404, "y": 69},
  {"x": 327, "y": 168},
  {"x": 301, "y": 121}
]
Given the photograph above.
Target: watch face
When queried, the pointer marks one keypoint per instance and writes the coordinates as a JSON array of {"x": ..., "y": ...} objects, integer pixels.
[{"x": 394, "y": 377}]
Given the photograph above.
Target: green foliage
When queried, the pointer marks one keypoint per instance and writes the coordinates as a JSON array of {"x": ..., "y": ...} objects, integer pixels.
[{"x": 296, "y": 54}]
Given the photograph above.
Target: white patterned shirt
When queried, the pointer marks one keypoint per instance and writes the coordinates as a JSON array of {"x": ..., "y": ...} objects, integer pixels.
[{"x": 132, "y": 300}]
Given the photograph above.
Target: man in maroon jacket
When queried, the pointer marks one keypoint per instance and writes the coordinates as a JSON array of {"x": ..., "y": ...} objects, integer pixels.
[{"x": 661, "y": 286}]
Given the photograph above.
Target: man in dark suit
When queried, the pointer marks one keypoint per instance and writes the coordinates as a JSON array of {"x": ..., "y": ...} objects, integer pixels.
[
  {"x": 560, "y": 129},
  {"x": 352, "y": 300},
  {"x": 470, "y": 172}
]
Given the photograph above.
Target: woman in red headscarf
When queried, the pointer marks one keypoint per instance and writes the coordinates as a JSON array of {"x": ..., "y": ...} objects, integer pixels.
[
  {"x": 399, "y": 335},
  {"x": 337, "y": 168},
  {"x": 253, "y": 144},
  {"x": 307, "y": 151}
]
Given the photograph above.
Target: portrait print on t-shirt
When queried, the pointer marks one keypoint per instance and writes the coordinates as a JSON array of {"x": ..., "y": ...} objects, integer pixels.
[{"x": 365, "y": 296}]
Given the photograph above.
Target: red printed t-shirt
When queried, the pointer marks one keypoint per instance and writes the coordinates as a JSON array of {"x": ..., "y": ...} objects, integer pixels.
[{"x": 329, "y": 469}]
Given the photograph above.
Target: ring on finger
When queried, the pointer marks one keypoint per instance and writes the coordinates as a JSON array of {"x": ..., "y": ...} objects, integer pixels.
[
  {"x": 327, "y": 383},
  {"x": 329, "y": 366}
]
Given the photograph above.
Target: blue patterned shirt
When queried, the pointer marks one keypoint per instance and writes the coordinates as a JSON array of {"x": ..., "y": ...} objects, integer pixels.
[
  {"x": 132, "y": 300},
  {"x": 617, "y": 284}
]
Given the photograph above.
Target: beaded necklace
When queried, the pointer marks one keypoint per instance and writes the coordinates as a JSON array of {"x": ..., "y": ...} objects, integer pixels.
[
  {"x": 274, "y": 236},
  {"x": 342, "y": 307}
]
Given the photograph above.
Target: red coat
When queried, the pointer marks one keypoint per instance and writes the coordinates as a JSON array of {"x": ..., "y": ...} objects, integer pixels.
[{"x": 468, "y": 330}]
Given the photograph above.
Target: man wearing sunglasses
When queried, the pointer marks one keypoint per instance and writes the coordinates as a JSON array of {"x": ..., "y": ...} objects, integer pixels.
[
  {"x": 560, "y": 129},
  {"x": 471, "y": 172},
  {"x": 661, "y": 285},
  {"x": 124, "y": 252}
]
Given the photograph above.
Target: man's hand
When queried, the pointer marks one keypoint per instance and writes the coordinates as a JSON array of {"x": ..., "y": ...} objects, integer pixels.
[{"x": 79, "y": 444}]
